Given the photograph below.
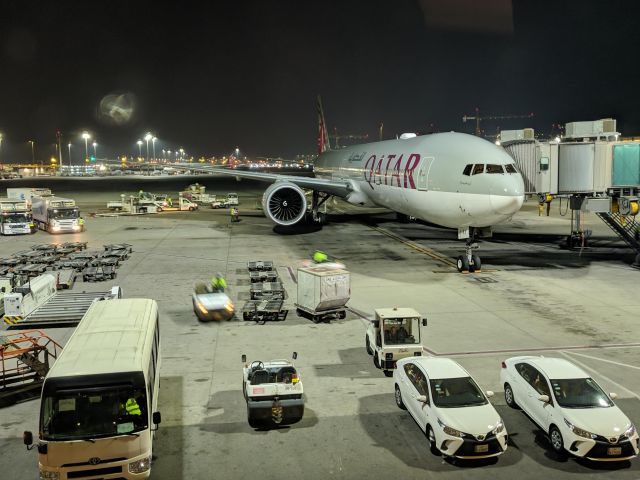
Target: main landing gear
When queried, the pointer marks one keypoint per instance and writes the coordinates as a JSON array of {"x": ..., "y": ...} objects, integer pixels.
[
  {"x": 469, "y": 263},
  {"x": 317, "y": 199}
]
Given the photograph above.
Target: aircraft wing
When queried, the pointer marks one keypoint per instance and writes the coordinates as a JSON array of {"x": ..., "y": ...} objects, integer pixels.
[{"x": 339, "y": 188}]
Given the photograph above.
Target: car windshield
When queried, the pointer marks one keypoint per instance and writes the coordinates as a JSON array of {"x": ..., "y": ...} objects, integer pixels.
[
  {"x": 64, "y": 213},
  {"x": 579, "y": 393},
  {"x": 456, "y": 393},
  {"x": 94, "y": 413},
  {"x": 401, "y": 331},
  {"x": 16, "y": 218}
]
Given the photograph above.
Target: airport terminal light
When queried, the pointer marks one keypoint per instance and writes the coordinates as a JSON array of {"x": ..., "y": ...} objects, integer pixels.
[
  {"x": 139, "y": 142},
  {"x": 153, "y": 146},
  {"x": 148, "y": 137},
  {"x": 69, "y": 145},
  {"x": 181, "y": 153},
  {"x": 86, "y": 137},
  {"x": 33, "y": 153},
  {"x": 95, "y": 149},
  {"x": 0, "y": 149},
  {"x": 164, "y": 154}
]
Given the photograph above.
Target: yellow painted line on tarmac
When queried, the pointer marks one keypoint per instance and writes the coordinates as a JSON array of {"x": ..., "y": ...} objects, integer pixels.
[{"x": 419, "y": 248}]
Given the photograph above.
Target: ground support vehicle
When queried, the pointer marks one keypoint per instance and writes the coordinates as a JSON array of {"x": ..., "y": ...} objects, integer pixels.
[
  {"x": 15, "y": 217},
  {"x": 392, "y": 335},
  {"x": 56, "y": 214},
  {"x": 261, "y": 276},
  {"x": 25, "y": 359},
  {"x": 134, "y": 205},
  {"x": 232, "y": 199},
  {"x": 260, "y": 265},
  {"x": 273, "y": 392},
  {"x": 449, "y": 407},
  {"x": 323, "y": 292},
  {"x": 266, "y": 290},
  {"x": 262, "y": 311},
  {"x": 63, "y": 309},
  {"x": 27, "y": 297},
  {"x": 219, "y": 204},
  {"x": 209, "y": 305},
  {"x": 183, "y": 205},
  {"x": 570, "y": 407},
  {"x": 65, "y": 278},
  {"x": 99, "y": 273}
]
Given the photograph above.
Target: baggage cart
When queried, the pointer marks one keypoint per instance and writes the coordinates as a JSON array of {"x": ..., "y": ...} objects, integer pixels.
[
  {"x": 259, "y": 265},
  {"x": 262, "y": 311},
  {"x": 267, "y": 290}
]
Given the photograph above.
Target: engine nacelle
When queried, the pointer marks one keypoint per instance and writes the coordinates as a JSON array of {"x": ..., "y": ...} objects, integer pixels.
[{"x": 284, "y": 203}]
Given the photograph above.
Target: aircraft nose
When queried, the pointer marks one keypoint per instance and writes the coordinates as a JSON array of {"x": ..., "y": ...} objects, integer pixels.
[{"x": 507, "y": 197}]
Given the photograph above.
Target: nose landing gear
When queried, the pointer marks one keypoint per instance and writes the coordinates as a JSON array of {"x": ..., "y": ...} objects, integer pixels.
[{"x": 469, "y": 263}]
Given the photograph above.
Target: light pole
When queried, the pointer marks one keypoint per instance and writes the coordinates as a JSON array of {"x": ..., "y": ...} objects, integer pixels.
[
  {"x": 153, "y": 145},
  {"x": 95, "y": 150},
  {"x": 86, "y": 137},
  {"x": 139, "y": 149},
  {"x": 0, "y": 151},
  {"x": 148, "y": 137},
  {"x": 33, "y": 154},
  {"x": 169, "y": 152},
  {"x": 181, "y": 154},
  {"x": 69, "y": 145}
]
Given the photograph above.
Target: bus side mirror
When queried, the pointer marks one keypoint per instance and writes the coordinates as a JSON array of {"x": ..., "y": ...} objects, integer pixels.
[
  {"x": 295, "y": 355},
  {"x": 157, "y": 418},
  {"x": 27, "y": 438},
  {"x": 424, "y": 322},
  {"x": 244, "y": 358}
]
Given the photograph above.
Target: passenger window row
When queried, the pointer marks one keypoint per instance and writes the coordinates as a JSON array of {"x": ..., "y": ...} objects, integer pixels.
[{"x": 478, "y": 168}]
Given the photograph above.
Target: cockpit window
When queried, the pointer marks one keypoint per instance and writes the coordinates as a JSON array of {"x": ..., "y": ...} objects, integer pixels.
[
  {"x": 478, "y": 168},
  {"x": 511, "y": 168},
  {"x": 467, "y": 170},
  {"x": 494, "y": 168}
]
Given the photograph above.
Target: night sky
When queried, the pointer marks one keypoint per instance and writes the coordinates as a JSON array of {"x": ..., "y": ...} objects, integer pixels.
[{"x": 212, "y": 76}]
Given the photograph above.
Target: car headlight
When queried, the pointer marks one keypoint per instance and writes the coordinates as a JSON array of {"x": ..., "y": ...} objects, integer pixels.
[
  {"x": 450, "y": 431},
  {"x": 203, "y": 310},
  {"x": 46, "y": 475},
  {"x": 140, "y": 466},
  {"x": 630, "y": 432},
  {"x": 499, "y": 427},
  {"x": 228, "y": 307},
  {"x": 579, "y": 431}
]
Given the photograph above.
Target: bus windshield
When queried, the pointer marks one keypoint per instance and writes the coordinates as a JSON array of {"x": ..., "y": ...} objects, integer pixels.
[
  {"x": 94, "y": 413},
  {"x": 64, "y": 213},
  {"x": 16, "y": 218}
]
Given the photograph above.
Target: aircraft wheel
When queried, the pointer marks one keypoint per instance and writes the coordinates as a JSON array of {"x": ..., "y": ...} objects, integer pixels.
[
  {"x": 463, "y": 263},
  {"x": 477, "y": 264}
]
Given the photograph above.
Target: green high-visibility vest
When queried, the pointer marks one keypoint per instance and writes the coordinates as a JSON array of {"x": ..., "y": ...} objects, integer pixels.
[
  {"x": 319, "y": 257},
  {"x": 132, "y": 407}
]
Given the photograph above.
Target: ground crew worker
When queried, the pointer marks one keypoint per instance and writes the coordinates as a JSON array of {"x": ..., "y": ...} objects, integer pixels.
[
  {"x": 81, "y": 224},
  {"x": 169, "y": 201},
  {"x": 218, "y": 283},
  {"x": 320, "y": 257},
  {"x": 131, "y": 407},
  {"x": 140, "y": 193}
]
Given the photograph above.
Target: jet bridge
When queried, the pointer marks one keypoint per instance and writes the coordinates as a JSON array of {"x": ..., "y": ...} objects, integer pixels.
[{"x": 591, "y": 169}]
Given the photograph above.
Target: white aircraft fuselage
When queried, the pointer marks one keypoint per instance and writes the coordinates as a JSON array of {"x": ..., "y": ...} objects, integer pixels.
[{"x": 430, "y": 177}]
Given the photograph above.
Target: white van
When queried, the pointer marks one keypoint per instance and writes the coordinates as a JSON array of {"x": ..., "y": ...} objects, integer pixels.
[{"x": 99, "y": 399}]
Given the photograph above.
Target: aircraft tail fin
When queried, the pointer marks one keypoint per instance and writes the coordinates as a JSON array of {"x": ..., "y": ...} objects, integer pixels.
[{"x": 323, "y": 135}]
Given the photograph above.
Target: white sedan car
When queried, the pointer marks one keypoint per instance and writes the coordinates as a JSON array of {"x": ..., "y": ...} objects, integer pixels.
[
  {"x": 449, "y": 407},
  {"x": 570, "y": 406}
]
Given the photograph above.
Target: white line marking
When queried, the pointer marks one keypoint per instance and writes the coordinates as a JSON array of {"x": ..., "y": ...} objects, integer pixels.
[
  {"x": 621, "y": 387},
  {"x": 605, "y": 360}
]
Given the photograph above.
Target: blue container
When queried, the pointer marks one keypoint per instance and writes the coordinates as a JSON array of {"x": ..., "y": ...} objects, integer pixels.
[{"x": 626, "y": 165}]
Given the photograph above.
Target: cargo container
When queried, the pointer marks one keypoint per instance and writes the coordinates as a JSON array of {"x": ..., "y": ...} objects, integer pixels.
[{"x": 322, "y": 291}]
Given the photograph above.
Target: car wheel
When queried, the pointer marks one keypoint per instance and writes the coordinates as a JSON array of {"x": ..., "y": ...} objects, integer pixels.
[
  {"x": 388, "y": 373},
  {"x": 433, "y": 446},
  {"x": 509, "y": 397},
  {"x": 555, "y": 437},
  {"x": 399, "y": 401},
  {"x": 367, "y": 346}
]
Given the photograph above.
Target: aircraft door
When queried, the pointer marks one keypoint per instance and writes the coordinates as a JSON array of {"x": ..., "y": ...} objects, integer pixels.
[{"x": 423, "y": 173}]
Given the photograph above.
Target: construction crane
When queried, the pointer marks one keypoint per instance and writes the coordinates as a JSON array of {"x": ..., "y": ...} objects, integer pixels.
[
  {"x": 478, "y": 118},
  {"x": 336, "y": 138}
]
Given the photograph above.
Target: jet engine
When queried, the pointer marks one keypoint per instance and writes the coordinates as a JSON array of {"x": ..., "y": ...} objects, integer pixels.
[{"x": 284, "y": 203}]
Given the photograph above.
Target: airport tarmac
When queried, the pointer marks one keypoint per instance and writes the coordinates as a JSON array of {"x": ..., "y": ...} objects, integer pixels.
[{"x": 532, "y": 297}]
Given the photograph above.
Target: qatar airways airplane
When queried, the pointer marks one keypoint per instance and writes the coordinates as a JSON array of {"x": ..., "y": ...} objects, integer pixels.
[{"x": 450, "y": 179}]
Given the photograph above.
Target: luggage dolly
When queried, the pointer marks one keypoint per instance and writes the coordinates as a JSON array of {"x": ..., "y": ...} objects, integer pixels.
[
  {"x": 267, "y": 291},
  {"x": 262, "y": 311},
  {"x": 260, "y": 276},
  {"x": 98, "y": 274},
  {"x": 260, "y": 265},
  {"x": 320, "y": 316}
]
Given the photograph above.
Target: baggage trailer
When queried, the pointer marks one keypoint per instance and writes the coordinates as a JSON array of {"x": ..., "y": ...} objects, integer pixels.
[
  {"x": 261, "y": 311},
  {"x": 98, "y": 274},
  {"x": 260, "y": 265},
  {"x": 261, "y": 276},
  {"x": 64, "y": 309},
  {"x": 267, "y": 290},
  {"x": 323, "y": 292}
]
